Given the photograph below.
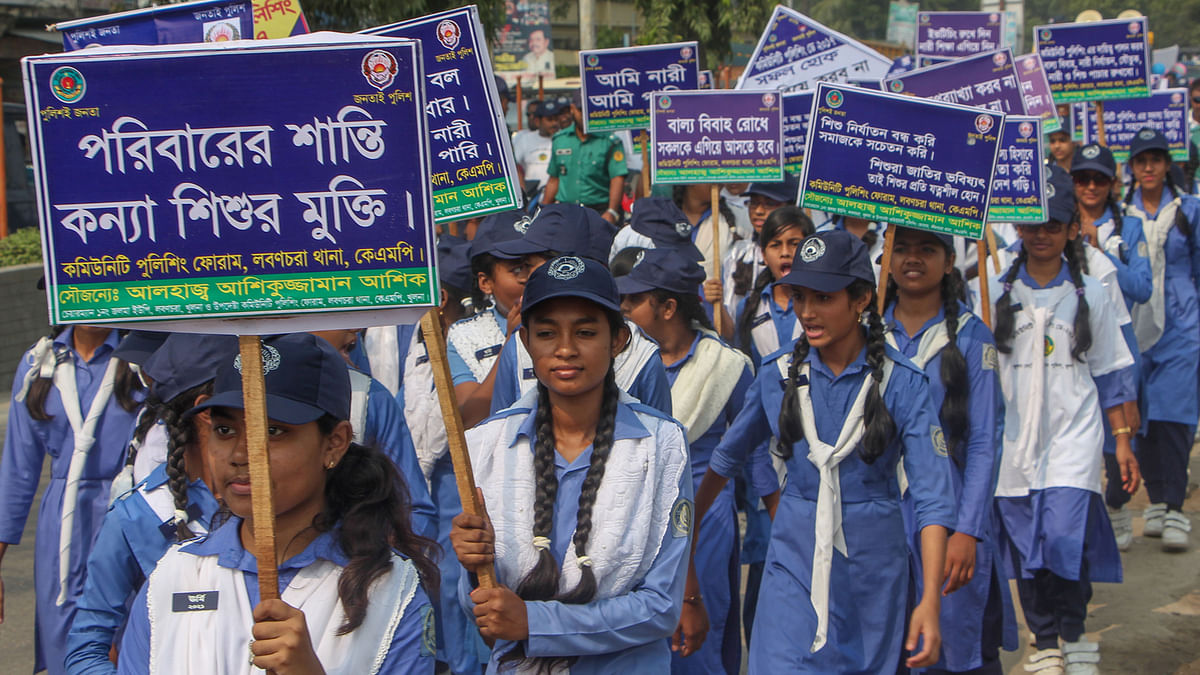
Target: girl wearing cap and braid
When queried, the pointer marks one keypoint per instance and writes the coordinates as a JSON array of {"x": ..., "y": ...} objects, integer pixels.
[
  {"x": 708, "y": 386},
  {"x": 1063, "y": 364},
  {"x": 75, "y": 403},
  {"x": 1168, "y": 335},
  {"x": 846, "y": 408},
  {"x": 589, "y": 498},
  {"x": 929, "y": 323}
]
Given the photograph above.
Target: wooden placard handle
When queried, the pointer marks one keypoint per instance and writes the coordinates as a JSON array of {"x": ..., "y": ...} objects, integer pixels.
[
  {"x": 985, "y": 302},
  {"x": 715, "y": 217},
  {"x": 262, "y": 505},
  {"x": 645, "y": 139},
  {"x": 885, "y": 266},
  {"x": 464, "y": 476},
  {"x": 992, "y": 248}
]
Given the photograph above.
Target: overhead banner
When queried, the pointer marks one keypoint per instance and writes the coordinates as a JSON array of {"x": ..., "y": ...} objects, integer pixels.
[
  {"x": 1166, "y": 110},
  {"x": 797, "y": 107},
  {"x": 1096, "y": 61},
  {"x": 721, "y": 136},
  {"x": 472, "y": 157},
  {"x": 1018, "y": 195},
  {"x": 618, "y": 83},
  {"x": 310, "y": 196},
  {"x": 522, "y": 46},
  {"x": 796, "y": 52},
  {"x": 1036, "y": 91},
  {"x": 900, "y": 159},
  {"x": 952, "y": 35},
  {"x": 199, "y": 21},
  {"x": 984, "y": 80}
]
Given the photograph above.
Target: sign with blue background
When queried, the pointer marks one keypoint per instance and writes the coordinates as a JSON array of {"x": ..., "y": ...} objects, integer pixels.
[
  {"x": 951, "y": 35},
  {"x": 797, "y": 107},
  {"x": 206, "y": 21},
  {"x": 900, "y": 159},
  {"x": 1018, "y": 195},
  {"x": 796, "y": 52},
  {"x": 716, "y": 136},
  {"x": 1166, "y": 110},
  {"x": 1096, "y": 61},
  {"x": 310, "y": 196},
  {"x": 618, "y": 83},
  {"x": 984, "y": 80}
]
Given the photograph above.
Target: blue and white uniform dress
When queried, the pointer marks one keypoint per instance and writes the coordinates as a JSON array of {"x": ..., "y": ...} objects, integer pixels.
[
  {"x": 1048, "y": 494},
  {"x": 708, "y": 388},
  {"x": 638, "y": 547},
  {"x": 837, "y": 571},
  {"x": 85, "y": 439},
  {"x": 138, "y": 530},
  {"x": 194, "y": 615},
  {"x": 966, "y": 613},
  {"x": 638, "y": 368}
]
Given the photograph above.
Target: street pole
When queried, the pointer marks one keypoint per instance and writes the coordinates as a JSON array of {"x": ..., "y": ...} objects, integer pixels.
[{"x": 587, "y": 24}]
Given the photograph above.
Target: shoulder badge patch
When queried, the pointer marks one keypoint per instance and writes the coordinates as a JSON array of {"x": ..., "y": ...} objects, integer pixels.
[
  {"x": 939, "y": 440},
  {"x": 681, "y": 518},
  {"x": 989, "y": 359},
  {"x": 1143, "y": 249},
  {"x": 618, "y": 156},
  {"x": 428, "y": 632}
]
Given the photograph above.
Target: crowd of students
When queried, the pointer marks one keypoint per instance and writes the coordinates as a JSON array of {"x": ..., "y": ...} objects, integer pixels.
[{"x": 896, "y": 460}]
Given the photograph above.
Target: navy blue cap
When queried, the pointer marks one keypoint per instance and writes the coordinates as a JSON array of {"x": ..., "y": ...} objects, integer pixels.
[
  {"x": 563, "y": 228},
  {"x": 571, "y": 276},
  {"x": 830, "y": 261},
  {"x": 1148, "y": 139},
  {"x": 1060, "y": 195},
  {"x": 1094, "y": 157},
  {"x": 549, "y": 108},
  {"x": 785, "y": 191},
  {"x": 946, "y": 239},
  {"x": 306, "y": 378},
  {"x": 187, "y": 360},
  {"x": 139, "y": 345},
  {"x": 496, "y": 229},
  {"x": 662, "y": 268},
  {"x": 665, "y": 224},
  {"x": 454, "y": 263}
]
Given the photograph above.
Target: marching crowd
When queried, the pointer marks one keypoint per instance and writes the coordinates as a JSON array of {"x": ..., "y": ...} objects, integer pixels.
[{"x": 895, "y": 461}]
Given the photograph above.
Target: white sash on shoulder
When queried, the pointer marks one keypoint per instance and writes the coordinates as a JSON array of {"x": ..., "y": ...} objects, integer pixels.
[{"x": 1149, "y": 318}]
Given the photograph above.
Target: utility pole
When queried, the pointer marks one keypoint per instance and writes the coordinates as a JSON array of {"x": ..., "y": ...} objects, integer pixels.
[{"x": 587, "y": 24}]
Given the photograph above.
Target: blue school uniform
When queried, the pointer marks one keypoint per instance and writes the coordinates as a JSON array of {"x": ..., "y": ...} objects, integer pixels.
[
  {"x": 966, "y": 613},
  {"x": 26, "y": 444},
  {"x": 460, "y": 372},
  {"x": 131, "y": 541},
  {"x": 409, "y": 651},
  {"x": 716, "y": 559},
  {"x": 1133, "y": 267},
  {"x": 869, "y": 588},
  {"x": 623, "y": 633},
  {"x": 783, "y": 318}
]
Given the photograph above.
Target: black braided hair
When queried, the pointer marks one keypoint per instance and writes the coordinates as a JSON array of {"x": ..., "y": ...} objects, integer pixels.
[
  {"x": 484, "y": 263},
  {"x": 541, "y": 583},
  {"x": 954, "y": 412},
  {"x": 1083, "y": 312},
  {"x": 181, "y": 435},
  {"x": 1005, "y": 312},
  {"x": 1076, "y": 247}
]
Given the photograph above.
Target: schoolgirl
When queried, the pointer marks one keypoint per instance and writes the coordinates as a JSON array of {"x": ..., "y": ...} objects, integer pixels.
[
  {"x": 695, "y": 200},
  {"x": 743, "y": 262},
  {"x": 708, "y": 385},
  {"x": 1063, "y": 363},
  {"x": 928, "y": 322},
  {"x": 173, "y": 504},
  {"x": 765, "y": 321},
  {"x": 1115, "y": 254},
  {"x": 71, "y": 401},
  {"x": 566, "y": 229},
  {"x": 351, "y": 570},
  {"x": 588, "y": 493},
  {"x": 1168, "y": 334},
  {"x": 148, "y": 447},
  {"x": 846, "y": 409}
]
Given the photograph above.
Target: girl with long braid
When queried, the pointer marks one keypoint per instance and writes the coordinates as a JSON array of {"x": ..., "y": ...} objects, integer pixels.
[
  {"x": 1168, "y": 335},
  {"x": 587, "y": 497},
  {"x": 928, "y": 322},
  {"x": 1063, "y": 363},
  {"x": 174, "y": 503},
  {"x": 846, "y": 409}
]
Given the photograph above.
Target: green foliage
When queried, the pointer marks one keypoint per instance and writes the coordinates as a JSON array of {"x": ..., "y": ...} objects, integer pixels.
[
  {"x": 21, "y": 248},
  {"x": 355, "y": 15},
  {"x": 1171, "y": 21}
]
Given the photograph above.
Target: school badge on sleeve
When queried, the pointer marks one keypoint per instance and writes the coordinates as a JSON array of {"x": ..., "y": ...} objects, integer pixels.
[
  {"x": 428, "y": 632},
  {"x": 681, "y": 518},
  {"x": 989, "y": 359},
  {"x": 939, "y": 440}
]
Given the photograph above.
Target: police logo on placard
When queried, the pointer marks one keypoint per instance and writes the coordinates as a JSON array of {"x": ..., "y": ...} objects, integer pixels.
[
  {"x": 924, "y": 18},
  {"x": 999, "y": 58},
  {"x": 993, "y": 17},
  {"x": 1146, "y": 134},
  {"x": 67, "y": 84},
  {"x": 1046, "y": 34},
  {"x": 812, "y": 250},
  {"x": 685, "y": 53},
  {"x": 896, "y": 86},
  {"x": 1025, "y": 129},
  {"x": 939, "y": 440},
  {"x": 664, "y": 102},
  {"x": 593, "y": 60},
  {"x": 1090, "y": 151},
  {"x": 566, "y": 268},
  {"x": 1177, "y": 98},
  {"x": 448, "y": 33},
  {"x": 379, "y": 68},
  {"x": 835, "y": 99},
  {"x": 270, "y": 360},
  {"x": 984, "y": 123},
  {"x": 428, "y": 632},
  {"x": 989, "y": 359},
  {"x": 1135, "y": 27},
  {"x": 1029, "y": 64},
  {"x": 768, "y": 100},
  {"x": 681, "y": 518},
  {"x": 683, "y": 229},
  {"x": 225, "y": 30}
]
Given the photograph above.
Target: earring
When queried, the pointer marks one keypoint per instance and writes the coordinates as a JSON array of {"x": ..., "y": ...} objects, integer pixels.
[{"x": 331, "y": 464}]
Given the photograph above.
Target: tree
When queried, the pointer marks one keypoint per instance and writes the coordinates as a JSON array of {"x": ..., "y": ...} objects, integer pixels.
[{"x": 355, "y": 15}]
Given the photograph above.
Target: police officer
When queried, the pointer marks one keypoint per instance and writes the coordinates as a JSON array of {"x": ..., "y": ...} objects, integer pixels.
[{"x": 587, "y": 169}]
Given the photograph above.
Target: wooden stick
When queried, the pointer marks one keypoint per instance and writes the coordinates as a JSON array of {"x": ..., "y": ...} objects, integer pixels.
[
  {"x": 520, "y": 109},
  {"x": 262, "y": 505},
  {"x": 541, "y": 87},
  {"x": 985, "y": 303},
  {"x": 992, "y": 248},
  {"x": 715, "y": 217},
  {"x": 1100, "y": 136},
  {"x": 885, "y": 266},
  {"x": 464, "y": 476},
  {"x": 645, "y": 139}
]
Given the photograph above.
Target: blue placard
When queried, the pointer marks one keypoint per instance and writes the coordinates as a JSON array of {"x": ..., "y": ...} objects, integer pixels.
[
  {"x": 310, "y": 196},
  {"x": 716, "y": 136},
  {"x": 796, "y": 52},
  {"x": 984, "y": 80},
  {"x": 618, "y": 83},
  {"x": 1165, "y": 110},
  {"x": 797, "y": 108},
  {"x": 952, "y": 35},
  {"x": 900, "y": 159},
  {"x": 473, "y": 169},
  {"x": 202, "y": 21},
  {"x": 1018, "y": 195},
  {"x": 1036, "y": 91},
  {"x": 1096, "y": 61}
]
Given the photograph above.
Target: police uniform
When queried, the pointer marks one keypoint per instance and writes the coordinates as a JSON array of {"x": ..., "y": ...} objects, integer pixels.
[{"x": 585, "y": 167}]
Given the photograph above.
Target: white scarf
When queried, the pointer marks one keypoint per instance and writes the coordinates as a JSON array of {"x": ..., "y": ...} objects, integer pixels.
[
  {"x": 422, "y": 409},
  {"x": 478, "y": 341},
  {"x": 1149, "y": 318},
  {"x": 704, "y": 242},
  {"x": 626, "y": 367},
  {"x": 705, "y": 383},
  {"x": 215, "y": 641},
  {"x": 360, "y": 389},
  {"x": 764, "y": 333},
  {"x": 933, "y": 341},
  {"x": 382, "y": 344}
]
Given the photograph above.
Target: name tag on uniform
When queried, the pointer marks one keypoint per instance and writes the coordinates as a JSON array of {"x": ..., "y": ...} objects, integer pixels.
[
  {"x": 487, "y": 352},
  {"x": 760, "y": 319},
  {"x": 422, "y": 360},
  {"x": 527, "y": 374},
  {"x": 562, "y": 151},
  {"x": 201, "y": 601}
]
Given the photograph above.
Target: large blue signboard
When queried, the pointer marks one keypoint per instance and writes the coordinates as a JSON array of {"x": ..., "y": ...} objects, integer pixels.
[
  {"x": 951, "y": 35},
  {"x": 716, "y": 136},
  {"x": 797, "y": 107},
  {"x": 1018, "y": 195},
  {"x": 618, "y": 83},
  {"x": 1096, "y": 61},
  {"x": 796, "y": 52},
  {"x": 309, "y": 196},
  {"x": 900, "y": 159},
  {"x": 984, "y": 80},
  {"x": 1166, "y": 110},
  {"x": 204, "y": 21}
]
